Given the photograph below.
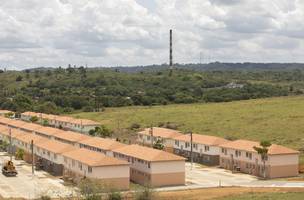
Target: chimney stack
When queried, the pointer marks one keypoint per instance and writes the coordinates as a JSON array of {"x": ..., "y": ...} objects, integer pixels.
[{"x": 171, "y": 57}]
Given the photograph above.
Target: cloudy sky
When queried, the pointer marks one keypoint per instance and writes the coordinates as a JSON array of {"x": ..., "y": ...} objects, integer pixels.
[{"x": 135, "y": 32}]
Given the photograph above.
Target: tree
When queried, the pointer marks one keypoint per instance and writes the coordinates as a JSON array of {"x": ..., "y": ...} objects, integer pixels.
[
  {"x": 19, "y": 78},
  {"x": 90, "y": 189},
  {"x": 19, "y": 154},
  {"x": 101, "y": 131},
  {"x": 4, "y": 145},
  {"x": 262, "y": 150},
  {"x": 159, "y": 144},
  {"x": 34, "y": 119}
]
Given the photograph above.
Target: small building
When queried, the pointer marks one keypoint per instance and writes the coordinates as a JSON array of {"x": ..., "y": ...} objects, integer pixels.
[
  {"x": 102, "y": 145},
  {"x": 149, "y": 135},
  {"x": 153, "y": 167},
  {"x": 205, "y": 149},
  {"x": 49, "y": 155},
  {"x": 240, "y": 156},
  {"x": 64, "y": 122},
  {"x": 24, "y": 142},
  {"x": 111, "y": 172}
]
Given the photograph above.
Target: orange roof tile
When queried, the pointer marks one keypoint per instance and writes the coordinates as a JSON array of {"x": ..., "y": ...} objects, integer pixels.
[
  {"x": 46, "y": 130},
  {"x": 12, "y": 122},
  {"x": 247, "y": 145},
  {"x": 102, "y": 143},
  {"x": 5, "y": 111},
  {"x": 62, "y": 118},
  {"x": 55, "y": 146},
  {"x": 148, "y": 154},
  {"x": 14, "y": 132},
  {"x": 202, "y": 139},
  {"x": 31, "y": 126},
  {"x": 72, "y": 136},
  {"x": 93, "y": 159},
  {"x": 161, "y": 132},
  {"x": 27, "y": 138}
]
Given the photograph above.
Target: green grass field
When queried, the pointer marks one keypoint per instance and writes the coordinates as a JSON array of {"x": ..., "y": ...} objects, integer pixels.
[
  {"x": 267, "y": 196},
  {"x": 280, "y": 120}
]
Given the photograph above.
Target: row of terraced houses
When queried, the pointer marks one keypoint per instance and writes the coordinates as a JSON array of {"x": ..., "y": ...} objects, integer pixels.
[
  {"x": 76, "y": 155},
  {"x": 238, "y": 155}
]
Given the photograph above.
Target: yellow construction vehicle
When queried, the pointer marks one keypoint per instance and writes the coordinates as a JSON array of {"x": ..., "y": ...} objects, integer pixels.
[{"x": 9, "y": 169}]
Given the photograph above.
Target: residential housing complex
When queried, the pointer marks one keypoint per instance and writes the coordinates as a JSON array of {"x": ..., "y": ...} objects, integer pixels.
[
  {"x": 237, "y": 156},
  {"x": 77, "y": 155},
  {"x": 64, "y": 122},
  {"x": 240, "y": 156},
  {"x": 151, "y": 135},
  {"x": 158, "y": 168},
  {"x": 205, "y": 148}
]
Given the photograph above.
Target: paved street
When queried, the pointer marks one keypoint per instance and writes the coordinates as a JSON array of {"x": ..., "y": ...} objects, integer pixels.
[
  {"x": 204, "y": 177},
  {"x": 27, "y": 186}
]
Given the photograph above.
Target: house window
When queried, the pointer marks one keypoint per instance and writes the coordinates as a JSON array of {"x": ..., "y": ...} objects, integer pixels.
[
  {"x": 187, "y": 144},
  {"x": 89, "y": 169},
  {"x": 206, "y": 148},
  {"x": 249, "y": 155},
  {"x": 73, "y": 163},
  {"x": 148, "y": 137},
  {"x": 80, "y": 166},
  {"x": 55, "y": 156},
  {"x": 195, "y": 146},
  {"x": 177, "y": 143},
  {"x": 149, "y": 165},
  {"x": 237, "y": 153}
]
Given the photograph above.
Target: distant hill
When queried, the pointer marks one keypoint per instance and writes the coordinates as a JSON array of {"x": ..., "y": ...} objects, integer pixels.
[
  {"x": 214, "y": 66},
  {"x": 217, "y": 66}
]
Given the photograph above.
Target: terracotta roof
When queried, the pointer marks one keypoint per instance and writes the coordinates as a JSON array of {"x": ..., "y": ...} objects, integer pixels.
[
  {"x": 5, "y": 111},
  {"x": 247, "y": 145},
  {"x": 72, "y": 136},
  {"x": 27, "y": 138},
  {"x": 12, "y": 122},
  {"x": 148, "y": 154},
  {"x": 46, "y": 130},
  {"x": 31, "y": 127},
  {"x": 161, "y": 132},
  {"x": 62, "y": 118},
  {"x": 92, "y": 158},
  {"x": 55, "y": 146},
  {"x": 102, "y": 143},
  {"x": 202, "y": 139},
  {"x": 14, "y": 132},
  {"x": 3, "y": 127}
]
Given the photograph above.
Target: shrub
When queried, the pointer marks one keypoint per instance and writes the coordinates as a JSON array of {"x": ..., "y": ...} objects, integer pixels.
[
  {"x": 135, "y": 126},
  {"x": 19, "y": 154},
  {"x": 115, "y": 196}
]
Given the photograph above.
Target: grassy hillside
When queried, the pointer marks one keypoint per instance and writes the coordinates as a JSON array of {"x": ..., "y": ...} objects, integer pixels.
[{"x": 280, "y": 120}]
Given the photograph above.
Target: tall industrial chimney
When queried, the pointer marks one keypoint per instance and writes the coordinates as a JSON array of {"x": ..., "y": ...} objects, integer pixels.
[{"x": 171, "y": 57}]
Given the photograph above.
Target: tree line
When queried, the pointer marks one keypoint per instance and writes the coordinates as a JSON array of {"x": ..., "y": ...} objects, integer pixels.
[{"x": 78, "y": 88}]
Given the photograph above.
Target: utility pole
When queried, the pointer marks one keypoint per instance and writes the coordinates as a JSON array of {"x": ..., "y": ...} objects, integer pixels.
[
  {"x": 32, "y": 150},
  {"x": 151, "y": 134},
  {"x": 10, "y": 144},
  {"x": 191, "y": 147}
]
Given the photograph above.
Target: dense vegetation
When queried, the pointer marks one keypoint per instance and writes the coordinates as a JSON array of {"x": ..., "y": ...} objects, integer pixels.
[{"x": 65, "y": 90}]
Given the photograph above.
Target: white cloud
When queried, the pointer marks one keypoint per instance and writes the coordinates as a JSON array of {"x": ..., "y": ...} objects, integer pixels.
[{"x": 124, "y": 32}]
